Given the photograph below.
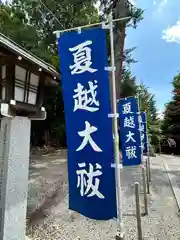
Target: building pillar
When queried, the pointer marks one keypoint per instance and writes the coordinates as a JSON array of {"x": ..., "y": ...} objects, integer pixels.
[{"x": 14, "y": 169}]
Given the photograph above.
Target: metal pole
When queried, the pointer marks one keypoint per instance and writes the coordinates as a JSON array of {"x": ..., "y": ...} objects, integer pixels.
[
  {"x": 148, "y": 155},
  {"x": 143, "y": 168},
  {"x": 149, "y": 163},
  {"x": 159, "y": 147},
  {"x": 139, "y": 115},
  {"x": 138, "y": 211},
  {"x": 90, "y": 25},
  {"x": 147, "y": 177},
  {"x": 116, "y": 137},
  {"x": 144, "y": 191}
]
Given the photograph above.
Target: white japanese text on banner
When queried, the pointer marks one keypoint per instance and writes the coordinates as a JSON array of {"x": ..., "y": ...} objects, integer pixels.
[{"x": 130, "y": 132}]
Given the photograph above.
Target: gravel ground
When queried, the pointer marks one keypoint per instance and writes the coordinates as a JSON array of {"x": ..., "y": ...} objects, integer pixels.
[
  {"x": 162, "y": 223},
  {"x": 45, "y": 176}
]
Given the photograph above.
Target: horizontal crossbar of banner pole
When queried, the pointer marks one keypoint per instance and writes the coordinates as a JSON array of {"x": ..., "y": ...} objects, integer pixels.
[
  {"x": 113, "y": 165},
  {"x": 89, "y": 25},
  {"x": 112, "y": 115},
  {"x": 124, "y": 98},
  {"x": 110, "y": 68}
]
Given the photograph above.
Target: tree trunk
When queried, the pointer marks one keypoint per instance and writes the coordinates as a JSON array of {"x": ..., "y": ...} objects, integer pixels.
[{"x": 121, "y": 11}]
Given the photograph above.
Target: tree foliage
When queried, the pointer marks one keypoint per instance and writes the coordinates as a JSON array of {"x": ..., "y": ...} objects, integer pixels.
[
  {"x": 128, "y": 84},
  {"x": 148, "y": 104},
  {"x": 13, "y": 23},
  {"x": 31, "y": 24},
  {"x": 171, "y": 122},
  {"x": 47, "y": 16}
]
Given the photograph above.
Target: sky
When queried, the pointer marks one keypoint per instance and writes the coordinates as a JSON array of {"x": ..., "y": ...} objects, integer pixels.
[{"x": 157, "y": 39}]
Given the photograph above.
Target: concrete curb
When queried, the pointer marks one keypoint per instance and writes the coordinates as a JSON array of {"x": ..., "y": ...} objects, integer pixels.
[{"x": 174, "y": 186}]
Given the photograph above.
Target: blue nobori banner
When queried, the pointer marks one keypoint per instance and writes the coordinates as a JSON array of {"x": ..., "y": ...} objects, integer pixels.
[
  {"x": 83, "y": 58},
  {"x": 130, "y": 132}
]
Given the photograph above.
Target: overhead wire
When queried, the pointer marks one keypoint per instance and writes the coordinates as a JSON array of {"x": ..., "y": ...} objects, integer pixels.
[{"x": 44, "y": 5}]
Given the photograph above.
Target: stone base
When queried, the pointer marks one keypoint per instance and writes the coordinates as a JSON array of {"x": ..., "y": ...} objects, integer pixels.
[{"x": 14, "y": 169}]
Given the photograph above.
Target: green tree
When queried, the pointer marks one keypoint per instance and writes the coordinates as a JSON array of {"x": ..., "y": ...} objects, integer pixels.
[
  {"x": 171, "y": 122},
  {"x": 47, "y": 16},
  {"x": 31, "y": 24},
  {"x": 148, "y": 104},
  {"x": 13, "y": 24},
  {"x": 128, "y": 84}
]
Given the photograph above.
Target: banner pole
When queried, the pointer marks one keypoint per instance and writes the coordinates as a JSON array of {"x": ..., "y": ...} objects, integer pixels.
[
  {"x": 148, "y": 158},
  {"x": 138, "y": 211},
  {"x": 89, "y": 25},
  {"x": 120, "y": 234},
  {"x": 142, "y": 155},
  {"x": 147, "y": 161},
  {"x": 139, "y": 116}
]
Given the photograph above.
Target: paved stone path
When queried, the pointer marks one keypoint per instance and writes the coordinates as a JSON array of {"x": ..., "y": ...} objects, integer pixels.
[
  {"x": 163, "y": 222},
  {"x": 172, "y": 166}
]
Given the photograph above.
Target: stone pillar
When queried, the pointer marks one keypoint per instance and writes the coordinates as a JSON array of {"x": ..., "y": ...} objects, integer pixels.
[{"x": 14, "y": 168}]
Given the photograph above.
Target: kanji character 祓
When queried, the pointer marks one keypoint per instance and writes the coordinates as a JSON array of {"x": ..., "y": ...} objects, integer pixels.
[
  {"x": 131, "y": 152},
  {"x": 88, "y": 181}
]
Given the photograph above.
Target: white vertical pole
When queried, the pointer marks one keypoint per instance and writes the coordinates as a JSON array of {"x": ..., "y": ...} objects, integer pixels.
[
  {"x": 143, "y": 165},
  {"x": 148, "y": 154},
  {"x": 138, "y": 211},
  {"x": 116, "y": 135},
  {"x": 139, "y": 118},
  {"x": 148, "y": 158}
]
